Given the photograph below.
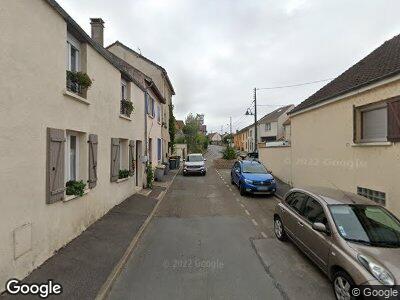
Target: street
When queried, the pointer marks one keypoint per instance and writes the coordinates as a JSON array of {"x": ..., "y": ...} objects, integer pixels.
[{"x": 208, "y": 242}]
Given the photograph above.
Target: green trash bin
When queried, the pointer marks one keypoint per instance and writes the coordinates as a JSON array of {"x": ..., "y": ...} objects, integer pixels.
[{"x": 172, "y": 163}]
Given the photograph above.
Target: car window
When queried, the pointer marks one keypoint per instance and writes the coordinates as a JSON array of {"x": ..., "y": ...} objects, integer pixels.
[
  {"x": 195, "y": 158},
  {"x": 297, "y": 200},
  {"x": 314, "y": 212}
]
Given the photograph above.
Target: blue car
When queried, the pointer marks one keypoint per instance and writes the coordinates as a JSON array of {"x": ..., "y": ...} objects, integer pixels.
[{"x": 252, "y": 177}]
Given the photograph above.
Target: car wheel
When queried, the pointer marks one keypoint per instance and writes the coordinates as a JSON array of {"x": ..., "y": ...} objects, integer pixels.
[
  {"x": 242, "y": 190},
  {"x": 279, "y": 230},
  {"x": 342, "y": 283}
]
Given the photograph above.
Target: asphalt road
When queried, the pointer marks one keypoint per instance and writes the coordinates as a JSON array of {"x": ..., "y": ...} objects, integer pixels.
[{"x": 208, "y": 242}]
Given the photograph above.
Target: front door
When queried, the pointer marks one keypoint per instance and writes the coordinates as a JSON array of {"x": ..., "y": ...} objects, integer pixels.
[{"x": 138, "y": 158}]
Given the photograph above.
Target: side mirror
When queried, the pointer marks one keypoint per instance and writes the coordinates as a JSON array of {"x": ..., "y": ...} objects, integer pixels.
[
  {"x": 205, "y": 159},
  {"x": 320, "y": 227}
]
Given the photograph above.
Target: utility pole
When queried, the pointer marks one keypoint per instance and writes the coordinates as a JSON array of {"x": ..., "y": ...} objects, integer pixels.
[
  {"x": 230, "y": 129},
  {"x": 255, "y": 119}
]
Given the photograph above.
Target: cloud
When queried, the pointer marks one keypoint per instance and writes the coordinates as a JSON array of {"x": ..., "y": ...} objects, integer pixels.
[{"x": 216, "y": 52}]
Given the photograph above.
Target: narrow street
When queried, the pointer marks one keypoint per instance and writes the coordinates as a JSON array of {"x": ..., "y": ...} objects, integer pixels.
[{"x": 208, "y": 242}]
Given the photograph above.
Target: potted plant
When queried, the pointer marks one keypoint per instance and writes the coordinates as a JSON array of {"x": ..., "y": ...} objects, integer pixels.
[
  {"x": 123, "y": 174},
  {"x": 78, "y": 82},
  {"x": 126, "y": 107},
  {"x": 76, "y": 188}
]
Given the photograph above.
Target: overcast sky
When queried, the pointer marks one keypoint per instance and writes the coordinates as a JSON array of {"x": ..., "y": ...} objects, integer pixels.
[{"x": 216, "y": 52}]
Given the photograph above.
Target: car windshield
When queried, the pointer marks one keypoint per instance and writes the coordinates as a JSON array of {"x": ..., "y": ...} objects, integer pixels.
[
  {"x": 367, "y": 224},
  {"x": 254, "y": 168},
  {"x": 194, "y": 158}
]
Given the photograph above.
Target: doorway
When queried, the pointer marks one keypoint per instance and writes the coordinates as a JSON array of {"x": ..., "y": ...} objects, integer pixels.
[{"x": 138, "y": 158}]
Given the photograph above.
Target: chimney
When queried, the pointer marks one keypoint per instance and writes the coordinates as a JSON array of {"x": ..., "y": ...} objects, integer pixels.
[{"x": 97, "y": 30}]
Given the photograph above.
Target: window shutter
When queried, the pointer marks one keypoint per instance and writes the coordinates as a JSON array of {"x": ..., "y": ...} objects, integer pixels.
[
  {"x": 55, "y": 177},
  {"x": 93, "y": 141},
  {"x": 114, "y": 159},
  {"x": 131, "y": 158},
  {"x": 394, "y": 121}
]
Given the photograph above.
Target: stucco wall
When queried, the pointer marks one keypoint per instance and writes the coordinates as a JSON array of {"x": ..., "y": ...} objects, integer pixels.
[
  {"x": 32, "y": 82},
  {"x": 154, "y": 73},
  {"x": 278, "y": 161},
  {"x": 324, "y": 154}
]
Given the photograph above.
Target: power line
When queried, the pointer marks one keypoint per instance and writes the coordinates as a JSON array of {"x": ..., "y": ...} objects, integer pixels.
[{"x": 293, "y": 85}]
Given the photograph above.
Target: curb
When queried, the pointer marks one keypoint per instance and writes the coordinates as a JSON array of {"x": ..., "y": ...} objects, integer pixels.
[{"x": 107, "y": 285}]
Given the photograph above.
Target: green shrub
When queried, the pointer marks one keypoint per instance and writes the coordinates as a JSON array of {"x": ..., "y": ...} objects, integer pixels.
[
  {"x": 123, "y": 174},
  {"x": 149, "y": 176},
  {"x": 229, "y": 153},
  {"x": 127, "y": 106},
  {"x": 76, "y": 188},
  {"x": 80, "y": 78}
]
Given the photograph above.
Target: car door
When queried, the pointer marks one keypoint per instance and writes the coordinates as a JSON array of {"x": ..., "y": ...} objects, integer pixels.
[
  {"x": 291, "y": 214},
  {"x": 236, "y": 172},
  {"x": 317, "y": 243}
]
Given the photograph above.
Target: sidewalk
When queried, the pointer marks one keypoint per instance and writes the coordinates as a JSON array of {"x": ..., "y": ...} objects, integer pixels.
[
  {"x": 83, "y": 265},
  {"x": 282, "y": 188}
]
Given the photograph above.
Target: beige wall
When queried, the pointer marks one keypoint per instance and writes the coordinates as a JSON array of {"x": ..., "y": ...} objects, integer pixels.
[
  {"x": 277, "y": 160},
  {"x": 181, "y": 150},
  {"x": 32, "y": 82},
  {"x": 155, "y": 74},
  {"x": 153, "y": 132}
]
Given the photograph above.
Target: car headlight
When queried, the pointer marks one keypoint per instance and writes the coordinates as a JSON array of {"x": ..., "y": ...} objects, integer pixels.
[
  {"x": 248, "y": 181},
  {"x": 379, "y": 272}
]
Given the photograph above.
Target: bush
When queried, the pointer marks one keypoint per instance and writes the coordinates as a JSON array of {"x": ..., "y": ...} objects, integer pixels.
[
  {"x": 123, "y": 174},
  {"x": 229, "y": 153},
  {"x": 80, "y": 78},
  {"x": 150, "y": 176},
  {"x": 76, "y": 188}
]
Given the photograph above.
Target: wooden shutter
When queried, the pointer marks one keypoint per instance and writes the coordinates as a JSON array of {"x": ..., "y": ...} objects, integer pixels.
[
  {"x": 394, "y": 121},
  {"x": 114, "y": 159},
  {"x": 55, "y": 177},
  {"x": 93, "y": 141},
  {"x": 131, "y": 158}
]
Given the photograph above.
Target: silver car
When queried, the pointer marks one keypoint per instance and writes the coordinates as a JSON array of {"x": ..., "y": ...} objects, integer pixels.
[{"x": 194, "y": 164}]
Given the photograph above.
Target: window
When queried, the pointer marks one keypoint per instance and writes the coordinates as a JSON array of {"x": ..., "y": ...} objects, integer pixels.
[
  {"x": 159, "y": 149},
  {"x": 75, "y": 156},
  {"x": 158, "y": 113},
  {"x": 123, "y": 154},
  {"x": 124, "y": 90},
  {"x": 73, "y": 53},
  {"x": 371, "y": 123},
  {"x": 378, "y": 197},
  {"x": 268, "y": 126},
  {"x": 374, "y": 124},
  {"x": 314, "y": 212},
  {"x": 150, "y": 150},
  {"x": 150, "y": 106},
  {"x": 296, "y": 202}
]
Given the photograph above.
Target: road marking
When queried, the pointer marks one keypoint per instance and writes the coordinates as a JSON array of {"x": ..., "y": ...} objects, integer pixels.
[
  {"x": 247, "y": 212},
  {"x": 237, "y": 200},
  {"x": 254, "y": 222},
  {"x": 230, "y": 189},
  {"x": 263, "y": 234},
  {"x": 241, "y": 204}
]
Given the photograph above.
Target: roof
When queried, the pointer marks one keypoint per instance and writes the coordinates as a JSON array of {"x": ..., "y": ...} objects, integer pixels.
[
  {"x": 273, "y": 116},
  {"x": 380, "y": 64},
  {"x": 179, "y": 124},
  {"x": 245, "y": 128},
  {"x": 333, "y": 196},
  {"x": 164, "y": 72},
  {"x": 287, "y": 122}
]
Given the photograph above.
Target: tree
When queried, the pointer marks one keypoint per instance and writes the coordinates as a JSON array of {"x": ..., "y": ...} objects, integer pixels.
[
  {"x": 196, "y": 141},
  {"x": 172, "y": 128}
]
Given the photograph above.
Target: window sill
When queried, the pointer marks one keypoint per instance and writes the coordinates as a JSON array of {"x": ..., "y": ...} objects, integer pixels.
[
  {"x": 72, "y": 197},
  {"x": 372, "y": 144},
  {"x": 122, "y": 180},
  {"x": 76, "y": 97},
  {"x": 125, "y": 117}
]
